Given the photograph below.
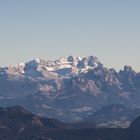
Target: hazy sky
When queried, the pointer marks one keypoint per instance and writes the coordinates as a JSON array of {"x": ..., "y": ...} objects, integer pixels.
[{"x": 108, "y": 29}]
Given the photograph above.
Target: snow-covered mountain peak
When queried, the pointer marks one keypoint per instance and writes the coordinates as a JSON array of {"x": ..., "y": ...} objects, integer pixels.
[
  {"x": 62, "y": 66},
  {"x": 38, "y": 60}
]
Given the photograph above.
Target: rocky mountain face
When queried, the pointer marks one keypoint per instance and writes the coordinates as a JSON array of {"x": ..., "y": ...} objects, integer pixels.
[
  {"x": 69, "y": 89},
  {"x": 16, "y": 123}
]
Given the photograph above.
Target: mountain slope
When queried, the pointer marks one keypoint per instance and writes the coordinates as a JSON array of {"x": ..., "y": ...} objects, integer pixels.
[
  {"x": 113, "y": 116},
  {"x": 17, "y": 123}
]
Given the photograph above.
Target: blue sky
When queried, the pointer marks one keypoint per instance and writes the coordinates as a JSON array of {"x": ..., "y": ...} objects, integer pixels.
[{"x": 49, "y": 29}]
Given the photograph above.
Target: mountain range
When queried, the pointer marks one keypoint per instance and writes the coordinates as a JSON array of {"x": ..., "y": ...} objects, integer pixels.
[
  {"x": 16, "y": 123},
  {"x": 73, "y": 89}
]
